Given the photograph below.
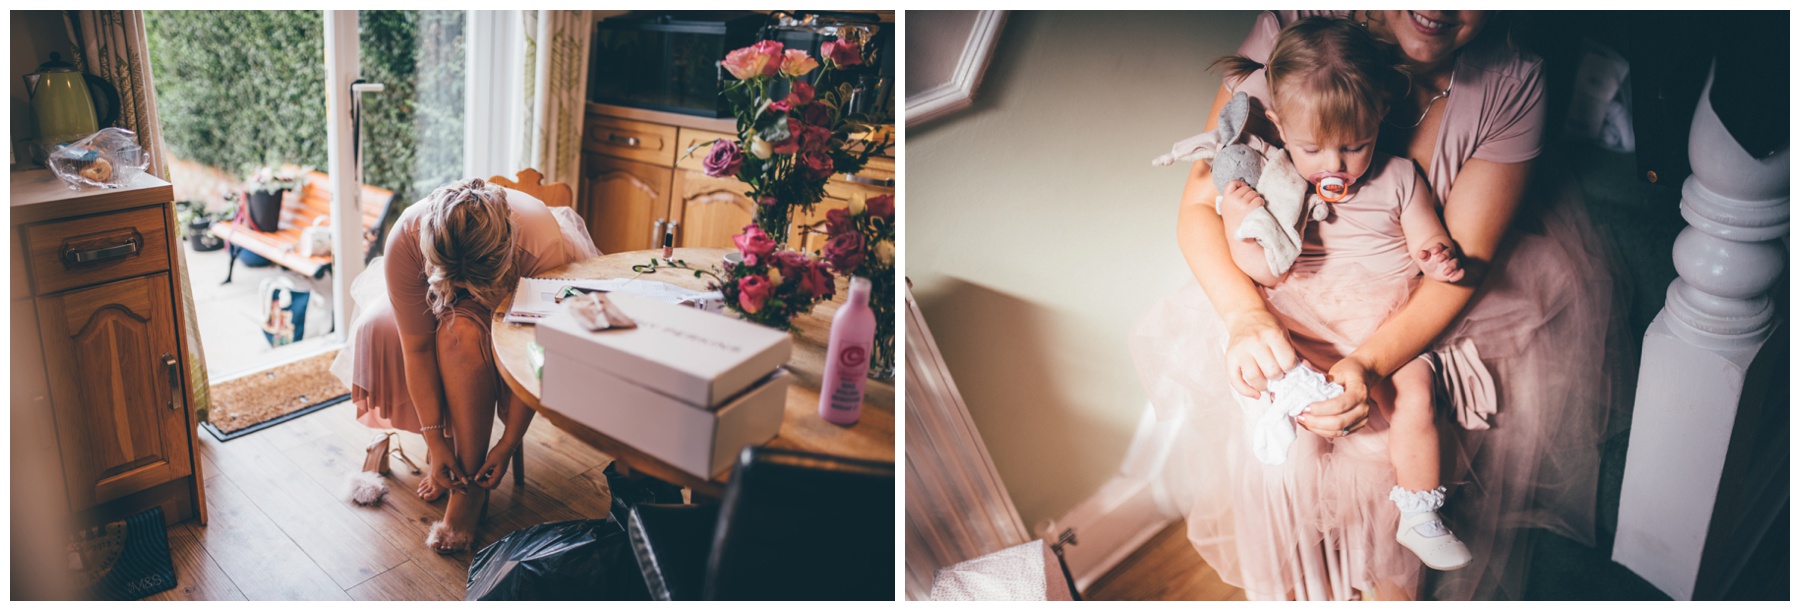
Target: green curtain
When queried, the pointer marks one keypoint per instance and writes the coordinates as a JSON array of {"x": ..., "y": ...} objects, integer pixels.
[
  {"x": 112, "y": 45},
  {"x": 555, "y": 90}
]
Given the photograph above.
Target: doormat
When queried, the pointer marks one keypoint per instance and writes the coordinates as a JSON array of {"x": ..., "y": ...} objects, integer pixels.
[
  {"x": 124, "y": 560},
  {"x": 251, "y": 403}
]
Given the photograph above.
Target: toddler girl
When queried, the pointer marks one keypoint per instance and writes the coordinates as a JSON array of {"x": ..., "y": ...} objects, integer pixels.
[{"x": 1329, "y": 83}]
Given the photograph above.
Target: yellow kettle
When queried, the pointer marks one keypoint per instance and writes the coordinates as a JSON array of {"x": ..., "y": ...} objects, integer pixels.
[{"x": 63, "y": 101}]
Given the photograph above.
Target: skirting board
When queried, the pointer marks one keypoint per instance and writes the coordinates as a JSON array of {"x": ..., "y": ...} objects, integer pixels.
[{"x": 1125, "y": 513}]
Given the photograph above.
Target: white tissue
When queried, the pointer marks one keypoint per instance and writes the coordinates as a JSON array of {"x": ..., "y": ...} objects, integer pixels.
[{"x": 1273, "y": 432}]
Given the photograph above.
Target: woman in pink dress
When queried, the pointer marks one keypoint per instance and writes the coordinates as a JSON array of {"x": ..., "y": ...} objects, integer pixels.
[
  {"x": 422, "y": 359},
  {"x": 1537, "y": 303}
]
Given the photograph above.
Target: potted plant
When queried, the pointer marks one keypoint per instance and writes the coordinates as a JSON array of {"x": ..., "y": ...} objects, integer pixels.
[
  {"x": 192, "y": 222},
  {"x": 265, "y": 188}
]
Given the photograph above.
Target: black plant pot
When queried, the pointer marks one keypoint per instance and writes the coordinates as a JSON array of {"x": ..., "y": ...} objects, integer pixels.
[
  {"x": 200, "y": 239},
  {"x": 265, "y": 210}
]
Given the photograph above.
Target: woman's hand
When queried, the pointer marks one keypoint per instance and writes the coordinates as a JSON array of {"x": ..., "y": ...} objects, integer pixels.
[
  {"x": 498, "y": 457},
  {"x": 1345, "y": 413},
  {"x": 445, "y": 470},
  {"x": 1257, "y": 351}
]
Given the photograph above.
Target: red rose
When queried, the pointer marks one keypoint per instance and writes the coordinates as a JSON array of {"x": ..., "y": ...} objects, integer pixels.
[
  {"x": 814, "y": 166},
  {"x": 816, "y": 281},
  {"x": 800, "y": 94},
  {"x": 811, "y": 139},
  {"x": 841, "y": 53},
  {"x": 812, "y": 114},
  {"x": 881, "y": 205},
  {"x": 845, "y": 251},
  {"x": 839, "y": 220}
]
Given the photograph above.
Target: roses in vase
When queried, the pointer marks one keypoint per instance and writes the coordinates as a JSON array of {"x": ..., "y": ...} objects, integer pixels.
[{"x": 772, "y": 286}]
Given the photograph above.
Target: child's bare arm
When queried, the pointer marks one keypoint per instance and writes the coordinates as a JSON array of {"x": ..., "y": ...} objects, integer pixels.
[
  {"x": 1238, "y": 201},
  {"x": 1426, "y": 239}
]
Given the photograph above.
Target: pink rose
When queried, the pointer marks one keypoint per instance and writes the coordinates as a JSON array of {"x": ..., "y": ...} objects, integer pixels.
[
  {"x": 753, "y": 243},
  {"x": 755, "y": 61},
  {"x": 796, "y": 63},
  {"x": 753, "y": 290},
  {"x": 840, "y": 54},
  {"x": 800, "y": 93},
  {"x": 845, "y": 251},
  {"x": 781, "y": 106},
  {"x": 882, "y": 206},
  {"x": 814, "y": 166},
  {"x": 724, "y": 159}
]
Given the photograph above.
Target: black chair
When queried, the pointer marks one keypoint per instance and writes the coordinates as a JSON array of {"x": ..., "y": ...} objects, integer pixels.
[{"x": 792, "y": 526}]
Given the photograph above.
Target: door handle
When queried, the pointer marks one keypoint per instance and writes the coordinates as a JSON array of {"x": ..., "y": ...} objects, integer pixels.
[
  {"x": 625, "y": 140},
  {"x": 656, "y": 232},
  {"x": 879, "y": 182},
  {"x": 174, "y": 368},
  {"x": 101, "y": 254}
]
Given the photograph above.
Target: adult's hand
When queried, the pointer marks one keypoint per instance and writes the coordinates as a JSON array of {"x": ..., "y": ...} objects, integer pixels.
[
  {"x": 1348, "y": 412},
  {"x": 1257, "y": 351},
  {"x": 494, "y": 471},
  {"x": 446, "y": 472}
]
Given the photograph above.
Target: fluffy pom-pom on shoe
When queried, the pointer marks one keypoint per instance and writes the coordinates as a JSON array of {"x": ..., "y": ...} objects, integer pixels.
[
  {"x": 444, "y": 540},
  {"x": 366, "y": 488}
]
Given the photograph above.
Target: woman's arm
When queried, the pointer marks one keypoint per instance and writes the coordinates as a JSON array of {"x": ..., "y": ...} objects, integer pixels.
[
  {"x": 1481, "y": 208},
  {"x": 425, "y": 386},
  {"x": 1258, "y": 349}
]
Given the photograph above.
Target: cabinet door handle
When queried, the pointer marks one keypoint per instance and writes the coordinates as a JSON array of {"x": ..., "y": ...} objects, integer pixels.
[
  {"x": 174, "y": 368},
  {"x": 656, "y": 233},
  {"x": 625, "y": 140},
  {"x": 879, "y": 182},
  {"x": 101, "y": 254}
]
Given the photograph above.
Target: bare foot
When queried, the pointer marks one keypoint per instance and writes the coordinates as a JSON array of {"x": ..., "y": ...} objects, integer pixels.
[
  {"x": 457, "y": 530},
  {"x": 429, "y": 490}
]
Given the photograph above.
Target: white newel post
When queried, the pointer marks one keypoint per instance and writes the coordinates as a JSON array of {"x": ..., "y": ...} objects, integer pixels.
[{"x": 1697, "y": 351}]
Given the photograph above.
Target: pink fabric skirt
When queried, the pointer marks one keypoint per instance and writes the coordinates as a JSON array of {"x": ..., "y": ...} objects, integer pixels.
[
  {"x": 1321, "y": 526},
  {"x": 373, "y": 361}
]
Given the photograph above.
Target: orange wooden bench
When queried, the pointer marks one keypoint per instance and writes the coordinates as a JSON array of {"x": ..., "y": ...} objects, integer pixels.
[{"x": 299, "y": 209}]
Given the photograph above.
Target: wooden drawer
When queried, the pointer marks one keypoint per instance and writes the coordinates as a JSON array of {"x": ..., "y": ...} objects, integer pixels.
[
  {"x": 690, "y": 137},
  {"x": 879, "y": 172},
  {"x": 89, "y": 250},
  {"x": 634, "y": 140}
]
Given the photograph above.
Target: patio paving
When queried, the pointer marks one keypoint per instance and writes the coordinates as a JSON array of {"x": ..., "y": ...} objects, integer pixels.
[{"x": 229, "y": 315}]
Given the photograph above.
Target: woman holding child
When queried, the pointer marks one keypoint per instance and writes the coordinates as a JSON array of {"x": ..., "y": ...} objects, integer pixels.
[{"x": 1522, "y": 295}]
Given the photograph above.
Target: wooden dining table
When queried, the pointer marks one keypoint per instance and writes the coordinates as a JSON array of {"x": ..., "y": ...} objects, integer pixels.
[{"x": 871, "y": 438}]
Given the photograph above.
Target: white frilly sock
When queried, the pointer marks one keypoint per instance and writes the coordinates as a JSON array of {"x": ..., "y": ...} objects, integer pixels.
[{"x": 1414, "y": 502}]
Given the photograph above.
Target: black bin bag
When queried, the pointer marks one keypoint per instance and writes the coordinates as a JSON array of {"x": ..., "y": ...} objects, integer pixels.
[{"x": 574, "y": 560}]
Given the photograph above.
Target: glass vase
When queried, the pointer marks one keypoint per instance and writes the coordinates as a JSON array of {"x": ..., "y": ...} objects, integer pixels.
[{"x": 881, "y": 302}]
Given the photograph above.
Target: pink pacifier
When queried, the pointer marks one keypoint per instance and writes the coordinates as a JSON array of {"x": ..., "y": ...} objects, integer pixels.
[{"x": 1332, "y": 189}]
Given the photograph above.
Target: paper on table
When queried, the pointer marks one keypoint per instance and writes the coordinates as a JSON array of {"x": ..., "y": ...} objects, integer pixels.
[{"x": 536, "y": 297}]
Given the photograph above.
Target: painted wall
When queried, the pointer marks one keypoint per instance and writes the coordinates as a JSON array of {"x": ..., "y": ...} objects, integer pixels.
[
  {"x": 1037, "y": 232},
  {"x": 35, "y": 34}
]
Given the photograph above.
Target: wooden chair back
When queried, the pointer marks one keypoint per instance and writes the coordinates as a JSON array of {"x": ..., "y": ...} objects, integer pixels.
[{"x": 531, "y": 182}]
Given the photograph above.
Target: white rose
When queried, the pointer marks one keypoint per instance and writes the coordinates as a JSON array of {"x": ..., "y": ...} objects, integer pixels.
[
  {"x": 760, "y": 147},
  {"x": 857, "y": 206},
  {"x": 774, "y": 276},
  {"x": 885, "y": 252}
]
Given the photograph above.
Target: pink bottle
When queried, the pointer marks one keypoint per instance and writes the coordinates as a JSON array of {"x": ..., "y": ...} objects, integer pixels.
[{"x": 847, "y": 357}]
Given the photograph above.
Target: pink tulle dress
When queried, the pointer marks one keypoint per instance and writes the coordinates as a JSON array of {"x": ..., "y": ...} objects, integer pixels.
[
  {"x": 1320, "y": 526},
  {"x": 390, "y": 298}
]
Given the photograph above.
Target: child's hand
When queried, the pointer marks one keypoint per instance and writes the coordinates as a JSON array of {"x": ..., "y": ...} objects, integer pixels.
[
  {"x": 1441, "y": 262},
  {"x": 1238, "y": 200}
]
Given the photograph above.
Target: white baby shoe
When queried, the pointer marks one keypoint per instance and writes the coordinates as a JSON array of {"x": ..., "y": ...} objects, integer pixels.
[{"x": 1427, "y": 537}]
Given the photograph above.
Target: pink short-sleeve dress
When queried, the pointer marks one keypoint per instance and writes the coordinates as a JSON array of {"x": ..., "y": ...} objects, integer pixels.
[
  {"x": 391, "y": 301},
  {"x": 1545, "y": 324}
]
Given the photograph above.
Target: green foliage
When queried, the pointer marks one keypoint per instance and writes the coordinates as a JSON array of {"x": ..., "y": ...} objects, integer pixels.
[{"x": 241, "y": 89}]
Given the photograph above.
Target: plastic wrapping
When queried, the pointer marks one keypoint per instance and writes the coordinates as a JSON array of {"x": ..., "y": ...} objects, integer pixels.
[{"x": 109, "y": 158}]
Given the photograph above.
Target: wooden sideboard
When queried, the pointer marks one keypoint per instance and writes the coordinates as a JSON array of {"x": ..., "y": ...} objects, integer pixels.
[
  {"x": 637, "y": 179},
  {"x": 101, "y": 409}
]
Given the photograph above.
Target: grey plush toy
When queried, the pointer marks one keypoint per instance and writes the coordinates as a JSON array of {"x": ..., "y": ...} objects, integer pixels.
[{"x": 1236, "y": 155}]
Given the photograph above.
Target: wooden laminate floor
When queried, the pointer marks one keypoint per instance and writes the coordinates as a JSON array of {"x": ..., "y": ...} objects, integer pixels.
[
  {"x": 281, "y": 527},
  {"x": 1165, "y": 568}
]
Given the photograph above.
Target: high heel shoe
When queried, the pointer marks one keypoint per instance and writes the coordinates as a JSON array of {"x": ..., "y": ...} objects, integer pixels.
[
  {"x": 366, "y": 486},
  {"x": 445, "y": 540}
]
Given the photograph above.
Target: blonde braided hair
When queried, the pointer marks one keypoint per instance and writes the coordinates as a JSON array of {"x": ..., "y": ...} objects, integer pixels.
[{"x": 466, "y": 235}]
